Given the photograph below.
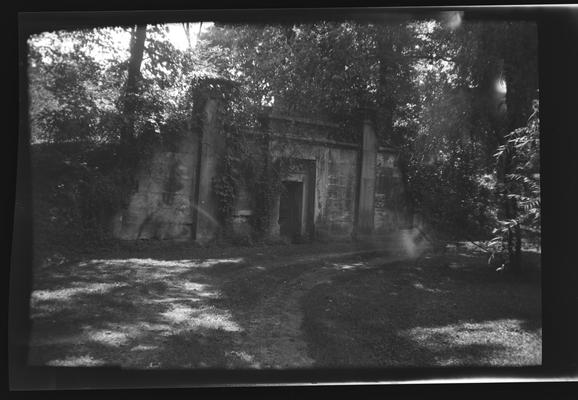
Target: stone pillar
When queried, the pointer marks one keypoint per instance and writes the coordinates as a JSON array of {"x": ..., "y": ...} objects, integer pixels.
[
  {"x": 365, "y": 223},
  {"x": 160, "y": 208},
  {"x": 274, "y": 228},
  {"x": 212, "y": 146}
]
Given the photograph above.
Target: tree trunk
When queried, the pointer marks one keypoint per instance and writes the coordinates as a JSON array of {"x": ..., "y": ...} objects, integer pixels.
[
  {"x": 130, "y": 98},
  {"x": 128, "y": 154},
  {"x": 187, "y": 28},
  {"x": 385, "y": 101},
  {"x": 518, "y": 249}
]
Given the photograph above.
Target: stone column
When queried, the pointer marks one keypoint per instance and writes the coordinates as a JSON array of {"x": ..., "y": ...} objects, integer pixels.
[
  {"x": 212, "y": 146},
  {"x": 365, "y": 222},
  {"x": 274, "y": 228}
]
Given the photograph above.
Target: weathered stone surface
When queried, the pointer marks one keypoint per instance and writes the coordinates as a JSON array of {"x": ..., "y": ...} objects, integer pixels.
[
  {"x": 338, "y": 213},
  {"x": 390, "y": 205},
  {"x": 348, "y": 188},
  {"x": 335, "y": 185},
  {"x": 243, "y": 212},
  {"x": 365, "y": 222},
  {"x": 160, "y": 209},
  {"x": 213, "y": 143}
]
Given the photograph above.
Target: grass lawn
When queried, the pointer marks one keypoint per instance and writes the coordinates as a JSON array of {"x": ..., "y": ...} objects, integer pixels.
[
  {"x": 447, "y": 310},
  {"x": 177, "y": 307}
]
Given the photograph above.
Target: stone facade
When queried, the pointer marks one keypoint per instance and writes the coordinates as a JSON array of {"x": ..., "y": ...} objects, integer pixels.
[
  {"x": 336, "y": 190},
  {"x": 163, "y": 204}
]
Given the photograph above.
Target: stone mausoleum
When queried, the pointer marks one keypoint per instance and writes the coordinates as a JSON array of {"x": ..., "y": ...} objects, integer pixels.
[{"x": 336, "y": 189}]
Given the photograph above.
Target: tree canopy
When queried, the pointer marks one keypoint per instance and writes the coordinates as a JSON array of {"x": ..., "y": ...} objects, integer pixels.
[{"x": 458, "y": 100}]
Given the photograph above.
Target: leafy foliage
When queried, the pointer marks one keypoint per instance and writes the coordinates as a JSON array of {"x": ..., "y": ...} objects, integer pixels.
[
  {"x": 523, "y": 183},
  {"x": 326, "y": 68},
  {"x": 77, "y": 83},
  {"x": 432, "y": 90}
]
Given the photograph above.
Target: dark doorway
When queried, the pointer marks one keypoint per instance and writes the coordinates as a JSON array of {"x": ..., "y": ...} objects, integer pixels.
[{"x": 290, "y": 210}]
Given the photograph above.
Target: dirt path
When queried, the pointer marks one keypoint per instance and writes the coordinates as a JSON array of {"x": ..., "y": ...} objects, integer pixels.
[
  {"x": 275, "y": 338},
  {"x": 234, "y": 312},
  {"x": 268, "y": 310}
]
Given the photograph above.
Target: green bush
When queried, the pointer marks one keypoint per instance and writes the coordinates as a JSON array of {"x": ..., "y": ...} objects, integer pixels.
[{"x": 76, "y": 190}]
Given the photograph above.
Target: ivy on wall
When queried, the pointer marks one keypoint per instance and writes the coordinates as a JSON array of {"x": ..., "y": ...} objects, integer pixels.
[
  {"x": 227, "y": 182},
  {"x": 248, "y": 162}
]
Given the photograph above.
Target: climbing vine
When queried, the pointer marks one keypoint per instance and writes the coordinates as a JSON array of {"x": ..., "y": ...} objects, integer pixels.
[
  {"x": 265, "y": 188},
  {"x": 227, "y": 182},
  {"x": 248, "y": 162}
]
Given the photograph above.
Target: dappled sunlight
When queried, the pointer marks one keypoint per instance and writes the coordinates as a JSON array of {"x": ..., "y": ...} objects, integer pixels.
[
  {"x": 194, "y": 287},
  {"x": 148, "y": 268},
  {"x": 67, "y": 293},
  {"x": 455, "y": 344},
  {"x": 172, "y": 300},
  {"x": 77, "y": 361},
  {"x": 178, "y": 313},
  {"x": 245, "y": 357},
  {"x": 150, "y": 263},
  {"x": 351, "y": 266},
  {"x": 201, "y": 318},
  {"x": 128, "y": 306},
  {"x": 376, "y": 262},
  {"x": 213, "y": 320},
  {"x": 144, "y": 327},
  {"x": 421, "y": 286},
  {"x": 209, "y": 294},
  {"x": 119, "y": 334},
  {"x": 467, "y": 255},
  {"x": 109, "y": 338},
  {"x": 201, "y": 290},
  {"x": 141, "y": 347},
  {"x": 173, "y": 314}
]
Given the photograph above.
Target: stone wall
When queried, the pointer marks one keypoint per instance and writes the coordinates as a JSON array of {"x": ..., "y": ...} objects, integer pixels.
[
  {"x": 390, "y": 205},
  {"x": 357, "y": 189},
  {"x": 243, "y": 211},
  {"x": 175, "y": 199},
  {"x": 161, "y": 208},
  {"x": 204, "y": 213},
  {"x": 336, "y": 171},
  {"x": 367, "y": 174},
  {"x": 336, "y": 217}
]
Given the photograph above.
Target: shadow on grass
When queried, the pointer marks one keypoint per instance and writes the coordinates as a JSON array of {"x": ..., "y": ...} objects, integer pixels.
[
  {"x": 136, "y": 313},
  {"x": 443, "y": 310},
  {"x": 144, "y": 312},
  {"x": 170, "y": 312}
]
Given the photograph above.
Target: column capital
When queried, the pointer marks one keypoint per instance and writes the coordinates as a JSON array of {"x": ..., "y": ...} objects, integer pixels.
[
  {"x": 368, "y": 114},
  {"x": 215, "y": 87}
]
